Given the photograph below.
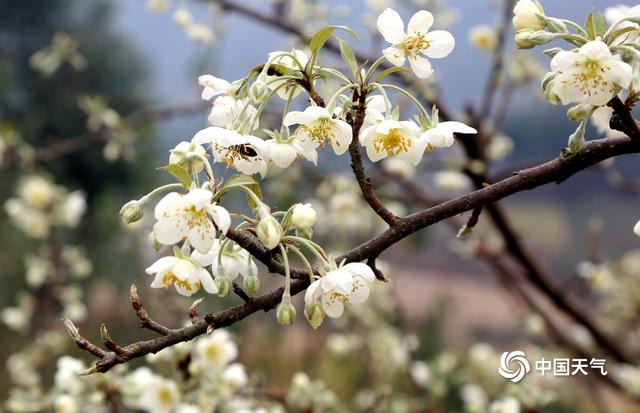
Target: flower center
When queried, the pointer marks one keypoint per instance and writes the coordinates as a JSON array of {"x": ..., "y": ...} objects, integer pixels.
[
  {"x": 195, "y": 217},
  {"x": 335, "y": 296},
  {"x": 170, "y": 278},
  {"x": 393, "y": 143},
  {"x": 319, "y": 130},
  {"x": 415, "y": 43},
  {"x": 590, "y": 78},
  {"x": 165, "y": 397},
  {"x": 212, "y": 352}
]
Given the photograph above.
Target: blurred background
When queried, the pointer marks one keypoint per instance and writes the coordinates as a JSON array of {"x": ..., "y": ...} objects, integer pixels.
[{"x": 93, "y": 95}]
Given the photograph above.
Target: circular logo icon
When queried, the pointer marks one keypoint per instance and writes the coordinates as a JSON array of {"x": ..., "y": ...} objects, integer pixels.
[{"x": 515, "y": 359}]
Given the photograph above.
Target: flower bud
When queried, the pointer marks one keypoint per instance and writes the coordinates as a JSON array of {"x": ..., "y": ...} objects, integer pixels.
[
  {"x": 154, "y": 243},
  {"x": 269, "y": 232},
  {"x": 636, "y": 229},
  {"x": 306, "y": 233},
  {"x": 259, "y": 89},
  {"x": 314, "y": 314},
  {"x": 286, "y": 312},
  {"x": 576, "y": 140},
  {"x": 223, "y": 283},
  {"x": 303, "y": 216},
  {"x": 188, "y": 154},
  {"x": 72, "y": 329},
  {"x": 132, "y": 211},
  {"x": 579, "y": 113},
  {"x": 464, "y": 232},
  {"x": 523, "y": 39},
  {"x": 525, "y": 15},
  {"x": 251, "y": 284}
]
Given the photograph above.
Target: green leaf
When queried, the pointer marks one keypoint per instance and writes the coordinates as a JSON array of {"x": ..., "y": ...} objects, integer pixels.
[
  {"x": 321, "y": 37},
  {"x": 590, "y": 26},
  {"x": 620, "y": 32},
  {"x": 179, "y": 172},
  {"x": 600, "y": 24},
  {"x": 236, "y": 181},
  {"x": 349, "y": 57},
  {"x": 387, "y": 72}
]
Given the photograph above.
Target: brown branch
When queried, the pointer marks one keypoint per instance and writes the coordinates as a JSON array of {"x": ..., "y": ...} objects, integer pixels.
[
  {"x": 623, "y": 120},
  {"x": 366, "y": 187},
  {"x": 145, "y": 320}
]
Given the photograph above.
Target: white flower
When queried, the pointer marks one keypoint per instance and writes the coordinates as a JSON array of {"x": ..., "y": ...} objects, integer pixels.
[
  {"x": 418, "y": 40},
  {"x": 441, "y": 136},
  {"x": 474, "y": 397},
  {"x": 67, "y": 376},
  {"x": 525, "y": 16},
  {"x": 247, "y": 154},
  {"x": 283, "y": 154},
  {"x": 200, "y": 33},
  {"x": 160, "y": 395},
  {"x": 507, "y": 405},
  {"x": 347, "y": 284},
  {"x": 231, "y": 262},
  {"x": 188, "y": 153},
  {"x": 601, "y": 119},
  {"x": 421, "y": 373},
  {"x": 483, "y": 37},
  {"x": 65, "y": 403},
  {"x": 235, "y": 375},
  {"x": 451, "y": 182},
  {"x": 398, "y": 167},
  {"x": 499, "y": 147},
  {"x": 318, "y": 126},
  {"x": 636, "y": 228},
  {"x": 189, "y": 217},
  {"x": 213, "y": 86},
  {"x": 394, "y": 138},
  {"x": 287, "y": 62},
  {"x": 619, "y": 12},
  {"x": 303, "y": 216},
  {"x": 228, "y": 109},
  {"x": 182, "y": 17},
  {"x": 37, "y": 191},
  {"x": 591, "y": 75},
  {"x": 71, "y": 209},
  {"x": 215, "y": 351},
  {"x": 185, "y": 275}
]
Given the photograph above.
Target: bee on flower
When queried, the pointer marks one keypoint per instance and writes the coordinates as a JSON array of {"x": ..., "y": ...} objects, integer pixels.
[{"x": 248, "y": 154}]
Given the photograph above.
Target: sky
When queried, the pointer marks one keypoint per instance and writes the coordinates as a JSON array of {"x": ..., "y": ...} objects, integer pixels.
[{"x": 244, "y": 43}]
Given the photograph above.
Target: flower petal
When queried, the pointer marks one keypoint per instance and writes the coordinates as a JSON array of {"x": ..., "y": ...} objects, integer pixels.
[
  {"x": 394, "y": 55},
  {"x": 421, "y": 67},
  {"x": 221, "y": 218},
  {"x": 391, "y": 26},
  {"x": 441, "y": 44},
  {"x": 420, "y": 22}
]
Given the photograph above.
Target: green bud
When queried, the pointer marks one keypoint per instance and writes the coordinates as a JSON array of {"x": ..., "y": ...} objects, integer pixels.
[
  {"x": 154, "y": 243},
  {"x": 306, "y": 233},
  {"x": 269, "y": 232},
  {"x": 548, "y": 86},
  {"x": 579, "y": 113},
  {"x": 259, "y": 89},
  {"x": 251, "y": 284},
  {"x": 576, "y": 140},
  {"x": 286, "y": 312},
  {"x": 132, "y": 211},
  {"x": 556, "y": 25},
  {"x": 464, "y": 232},
  {"x": 314, "y": 314},
  {"x": 523, "y": 39},
  {"x": 224, "y": 285}
]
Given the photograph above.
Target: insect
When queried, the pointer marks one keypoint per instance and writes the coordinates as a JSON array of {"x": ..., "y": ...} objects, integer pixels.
[{"x": 246, "y": 151}]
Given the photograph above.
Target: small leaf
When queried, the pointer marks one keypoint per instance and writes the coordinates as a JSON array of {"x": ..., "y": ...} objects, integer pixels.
[
  {"x": 600, "y": 24},
  {"x": 321, "y": 37},
  {"x": 590, "y": 26},
  {"x": 179, "y": 172},
  {"x": 349, "y": 57},
  {"x": 387, "y": 72},
  {"x": 620, "y": 32}
]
